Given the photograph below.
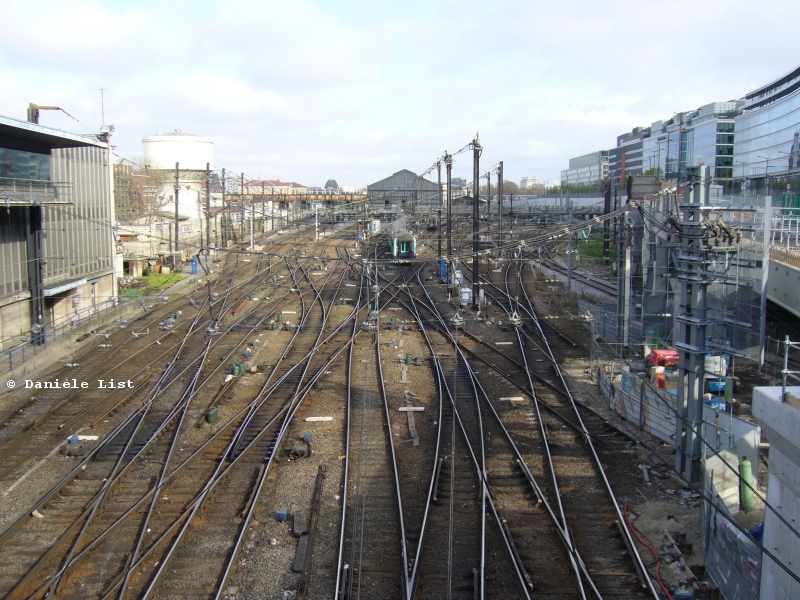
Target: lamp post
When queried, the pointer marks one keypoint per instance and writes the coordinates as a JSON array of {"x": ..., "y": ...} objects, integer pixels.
[
  {"x": 744, "y": 176},
  {"x": 766, "y": 172},
  {"x": 788, "y": 168}
]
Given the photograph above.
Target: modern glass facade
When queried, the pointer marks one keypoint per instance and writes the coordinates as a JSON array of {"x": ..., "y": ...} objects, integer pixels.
[
  {"x": 628, "y": 157},
  {"x": 768, "y": 135},
  {"x": 587, "y": 169},
  {"x": 702, "y": 137},
  {"x": 20, "y": 164}
]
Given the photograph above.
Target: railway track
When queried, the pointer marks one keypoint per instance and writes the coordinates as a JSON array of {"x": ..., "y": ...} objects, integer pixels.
[
  {"x": 28, "y": 434},
  {"x": 590, "y": 510},
  {"x": 501, "y": 497},
  {"x": 578, "y": 275},
  {"x": 76, "y": 539}
]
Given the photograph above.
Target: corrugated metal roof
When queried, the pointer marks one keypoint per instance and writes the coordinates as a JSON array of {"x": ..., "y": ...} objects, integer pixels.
[
  {"x": 403, "y": 180},
  {"x": 48, "y": 136}
]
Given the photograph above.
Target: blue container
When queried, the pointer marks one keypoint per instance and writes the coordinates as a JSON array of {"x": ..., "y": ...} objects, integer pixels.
[
  {"x": 282, "y": 514},
  {"x": 443, "y": 269},
  {"x": 194, "y": 265},
  {"x": 716, "y": 386},
  {"x": 307, "y": 436}
]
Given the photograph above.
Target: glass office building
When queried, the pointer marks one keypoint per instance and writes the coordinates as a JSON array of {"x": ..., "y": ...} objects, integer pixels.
[
  {"x": 586, "y": 170},
  {"x": 627, "y": 157},
  {"x": 702, "y": 137},
  {"x": 768, "y": 135}
]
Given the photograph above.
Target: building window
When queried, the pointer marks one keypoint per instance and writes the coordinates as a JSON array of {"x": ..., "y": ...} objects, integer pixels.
[{"x": 19, "y": 164}]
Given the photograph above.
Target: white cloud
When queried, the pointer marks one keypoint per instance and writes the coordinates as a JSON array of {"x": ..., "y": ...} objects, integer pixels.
[{"x": 354, "y": 90}]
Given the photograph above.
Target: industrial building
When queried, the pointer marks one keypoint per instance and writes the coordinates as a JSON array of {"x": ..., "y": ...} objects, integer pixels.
[
  {"x": 57, "y": 245},
  {"x": 402, "y": 187}
]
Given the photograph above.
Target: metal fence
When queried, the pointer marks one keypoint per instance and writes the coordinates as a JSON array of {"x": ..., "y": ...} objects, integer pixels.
[
  {"x": 731, "y": 558},
  {"x": 655, "y": 410},
  {"x": 16, "y": 356},
  {"x": 636, "y": 401}
]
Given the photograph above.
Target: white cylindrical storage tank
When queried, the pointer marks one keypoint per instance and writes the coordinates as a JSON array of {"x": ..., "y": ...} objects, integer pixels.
[
  {"x": 192, "y": 152},
  {"x": 465, "y": 296}
]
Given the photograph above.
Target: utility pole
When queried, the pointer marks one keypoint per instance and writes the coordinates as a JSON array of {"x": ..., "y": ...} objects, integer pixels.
[
  {"x": 439, "y": 212},
  {"x": 241, "y": 200},
  {"x": 251, "y": 227},
  {"x": 765, "y": 268},
  {"x": 569, "y": 249},
  {"x": 692, "y": 322},
  {"x": 511, "y": 229},
  {"x": 623, "y": 287},
  {"x": 316, "y": 225},
  {"x": 208, "y": 207},
  {"x": 263, "y": 210},
  {"x": 476, "y": 193},
  {"x": 448, "y": 162},
  {"x": 500, "y": 203},
  {"x": 224, "y": 212},
  {"x": 488, "y": 205},
  {"x": 606, "y": 224},
  {"x": 175, "y": 257}
]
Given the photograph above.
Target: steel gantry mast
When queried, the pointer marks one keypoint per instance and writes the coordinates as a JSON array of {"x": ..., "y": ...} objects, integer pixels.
[
  {"x": 448, "y": 161},
  {"x": 500, "y": 203},
  {"x": 439, "y": 211},
  {"x": 692, "y": 322},
  {"x": 476, "y": 197}
]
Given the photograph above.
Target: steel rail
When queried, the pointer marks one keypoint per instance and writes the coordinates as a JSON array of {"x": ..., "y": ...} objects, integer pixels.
[
  {"x": 480, "y": 468},
  {"x": 563, "y": 532},
  {"x": 639, "y": 563},
  {"x": 118, "y": 472}
]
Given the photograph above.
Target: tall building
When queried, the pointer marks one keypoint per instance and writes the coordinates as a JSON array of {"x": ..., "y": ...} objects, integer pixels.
[
  {"x": 529, "y": 182},
  {"x": 696, "y": 138},
  {"x": 587, "y": 169},
  {"x": 57, "y": 246},
  {"x": 768, "y": 132},
  {"x": 626, "y": 158}
]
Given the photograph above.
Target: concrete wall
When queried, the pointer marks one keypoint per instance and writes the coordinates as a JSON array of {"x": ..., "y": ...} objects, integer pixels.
[
  {"x": 65, "y": 342},
  {"x": 61, "y": 307},
  {"x": 15, "y": 319},
  {"x": 783, "y": 283},
  {"x": 781, "y": 424}
]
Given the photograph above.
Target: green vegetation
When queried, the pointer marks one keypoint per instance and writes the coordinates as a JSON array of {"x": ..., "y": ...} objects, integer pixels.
[
  {"x": 151, "y": 283},
  {"x": 593, "y": 249},
  {"x": 159, "y": 281}
]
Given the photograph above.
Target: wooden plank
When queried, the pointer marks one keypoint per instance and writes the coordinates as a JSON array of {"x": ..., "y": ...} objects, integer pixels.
[
  {"x": 299, "y": 523},
  {"x": 300, "y": 554}
]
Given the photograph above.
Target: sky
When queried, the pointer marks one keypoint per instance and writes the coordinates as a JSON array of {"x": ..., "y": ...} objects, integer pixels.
[{"x": 355, "y": 90}]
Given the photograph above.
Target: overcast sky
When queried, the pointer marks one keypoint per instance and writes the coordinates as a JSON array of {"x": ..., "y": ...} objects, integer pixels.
[{"x": 307, "y": 90}]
